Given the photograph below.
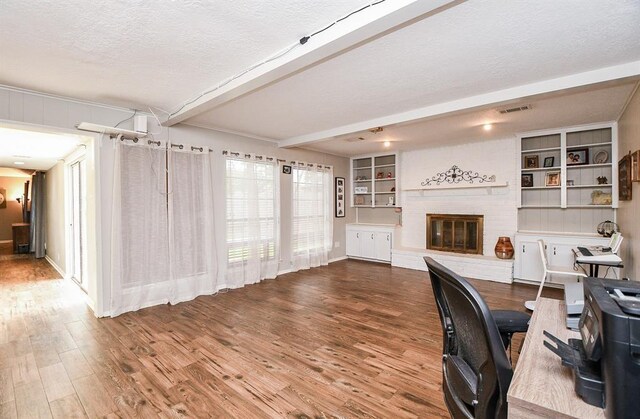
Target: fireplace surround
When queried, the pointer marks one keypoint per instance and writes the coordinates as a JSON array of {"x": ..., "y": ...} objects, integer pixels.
[{"x": 458, "y": 233}]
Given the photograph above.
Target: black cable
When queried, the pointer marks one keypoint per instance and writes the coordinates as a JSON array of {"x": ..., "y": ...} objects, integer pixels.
[
  {"x": 304, "y": 39},
  {"x": 126, "y": 119}
]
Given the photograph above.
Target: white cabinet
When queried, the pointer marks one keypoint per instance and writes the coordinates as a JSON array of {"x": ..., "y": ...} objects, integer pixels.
[
  {"x": 528, "y": 263},
  {"x": 370, "y": 241},
  {"x": 382, "y": 245}
]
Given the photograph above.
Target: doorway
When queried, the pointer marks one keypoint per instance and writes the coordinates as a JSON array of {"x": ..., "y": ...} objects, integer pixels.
[{"x": 76, "y": 172}]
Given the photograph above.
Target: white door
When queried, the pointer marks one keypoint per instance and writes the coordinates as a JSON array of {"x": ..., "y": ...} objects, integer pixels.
[
  {"x": 353, "y": 243},
  {"x": 382, "y": 245},
  {"x": 78, "y": 223},
  {"x": 530, "y": 261},
  {"x": 367, "y": 245}
]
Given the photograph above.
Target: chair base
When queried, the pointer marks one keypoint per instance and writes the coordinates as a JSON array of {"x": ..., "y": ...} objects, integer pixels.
[{"x": 530, "y": 305}]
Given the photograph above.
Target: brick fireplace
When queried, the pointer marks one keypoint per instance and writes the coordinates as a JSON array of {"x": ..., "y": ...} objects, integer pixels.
[{"x": 458, "y": 233}]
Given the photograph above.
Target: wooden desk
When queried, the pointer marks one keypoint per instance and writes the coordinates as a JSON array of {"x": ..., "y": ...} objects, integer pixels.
[
  {"x": 21, "y": 235},
  {"x": 541, "y": 386}
]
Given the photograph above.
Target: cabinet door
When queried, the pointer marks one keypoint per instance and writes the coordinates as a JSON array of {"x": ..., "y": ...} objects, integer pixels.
[
  {"x": 561, "y": 256},
  {"x": 367, "y": 245},
  {"x": 382, "y": 244},
  {"x": 530, "y": 261},
  {"x": 353, "y": 243}
]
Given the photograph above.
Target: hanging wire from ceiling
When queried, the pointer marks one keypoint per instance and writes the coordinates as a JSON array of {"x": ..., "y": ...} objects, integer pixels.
[{"x": 271, "y": 58}]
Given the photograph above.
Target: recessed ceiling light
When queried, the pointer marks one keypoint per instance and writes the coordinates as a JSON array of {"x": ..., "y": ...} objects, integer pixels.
[
  {"x": 19, "y": 163},
  {"x": 387, "y": 144},
  {"x": 487, "y": 127}
]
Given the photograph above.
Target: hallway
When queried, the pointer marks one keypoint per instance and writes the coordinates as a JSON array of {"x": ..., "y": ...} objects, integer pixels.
[{"x": 38, "y": 307}]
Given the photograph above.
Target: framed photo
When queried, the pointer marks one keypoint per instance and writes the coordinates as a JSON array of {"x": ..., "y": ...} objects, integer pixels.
[
  {"x": 548, "y": 161},
  {"x": 552, "y": 179},
  {"x": 3, "y": 198},
  {"x": 635, "y": 166},
  {"x": 527, "y": 180},
  {"x": 358, "y": 200},
  {"x": 577, "y": 156},
  {"x": 339, "y": 197},
  {"x": 286, "y": 169},
  {"x": 531, "y": 162},
  {"x": 624, "y": 178}
]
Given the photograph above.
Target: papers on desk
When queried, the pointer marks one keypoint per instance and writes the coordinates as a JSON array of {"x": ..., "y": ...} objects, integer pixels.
[{"x": 597, "y": 255}]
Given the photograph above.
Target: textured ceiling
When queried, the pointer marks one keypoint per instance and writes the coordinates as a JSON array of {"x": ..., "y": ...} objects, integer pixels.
[
  {"x": 472, "y": 48},
  {"x": 147, "y": 52},
  {"x": 577, "y": 107},
  {"x": 161, "y": 53}
]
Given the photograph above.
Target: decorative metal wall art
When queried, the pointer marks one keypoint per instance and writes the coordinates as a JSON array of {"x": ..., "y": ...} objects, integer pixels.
[{"x": 456, "y": 175}]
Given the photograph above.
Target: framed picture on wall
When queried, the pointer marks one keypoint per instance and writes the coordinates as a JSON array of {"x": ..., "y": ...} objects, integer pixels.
[
  {"x": 624, "y": 178},
  {"x": 3, "y": 198},
  {"x": 635, "y": 166},
  {"x": 339, "y": 197}
]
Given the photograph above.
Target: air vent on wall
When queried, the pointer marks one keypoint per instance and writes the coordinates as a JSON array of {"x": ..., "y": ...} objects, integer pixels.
[{"x": 515, "y": 109}]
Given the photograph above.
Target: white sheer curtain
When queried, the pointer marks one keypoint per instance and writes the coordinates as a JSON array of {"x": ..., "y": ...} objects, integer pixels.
[
  {"x": 140, "y": 239},
  {"x": 252, "y": 220},
  {"x": 163, "y": 239},
  {"x": 191, "y": 224},
  {"x": 312, "y": 224}
]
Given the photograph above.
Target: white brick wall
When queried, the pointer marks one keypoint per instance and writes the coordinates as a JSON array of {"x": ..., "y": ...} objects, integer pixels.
[{"x": 498, "y": 205}]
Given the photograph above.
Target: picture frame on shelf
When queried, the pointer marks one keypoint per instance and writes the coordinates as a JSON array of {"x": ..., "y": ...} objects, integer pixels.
[
  {"x": 339, "y": 197},
  {"x": 578, "y": 156},
  {"x": 548, "y": 161},
  {"x": 624, "y": 178},
  {"x": 635, "y": 166},
  {"x": 570, "y": 182},
  {"x": 531, "y": 161},
  {"x": 527, "y": 180},
  {"x": 552, "y": 179},
  {"x": 358, "y": 200}
]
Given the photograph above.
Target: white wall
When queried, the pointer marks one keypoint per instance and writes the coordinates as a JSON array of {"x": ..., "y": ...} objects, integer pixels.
[
  {"x": 32, "y": 108},
  {"x": 54, "y": 216},
  {"x": 629, "y": 211},
  {"x": 498, "y": 205},
  {"x": 14, "y": 188}
]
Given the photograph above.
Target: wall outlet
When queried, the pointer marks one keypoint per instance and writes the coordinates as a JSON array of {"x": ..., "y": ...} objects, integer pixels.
[{"x": 336, "y": 245}]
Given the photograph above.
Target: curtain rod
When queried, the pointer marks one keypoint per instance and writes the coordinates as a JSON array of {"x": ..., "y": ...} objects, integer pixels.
[{"x": 268, "y": 158}]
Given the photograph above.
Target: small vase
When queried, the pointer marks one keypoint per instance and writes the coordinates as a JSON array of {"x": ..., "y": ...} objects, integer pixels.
[{"x": 504, "y": 248}]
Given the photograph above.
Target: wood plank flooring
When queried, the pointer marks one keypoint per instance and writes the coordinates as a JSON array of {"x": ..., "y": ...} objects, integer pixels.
[{"x": 354, "y": 339}]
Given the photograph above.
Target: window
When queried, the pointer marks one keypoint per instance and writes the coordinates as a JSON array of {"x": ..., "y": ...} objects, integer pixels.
[
  {"x": 252, "y": 222},
  {"x": 312, "y": 229}
]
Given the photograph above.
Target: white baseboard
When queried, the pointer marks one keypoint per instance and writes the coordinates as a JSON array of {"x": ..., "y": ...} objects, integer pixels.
[
  {"x": 338, "y": 259},
  {"x": 55, "y": 266}
]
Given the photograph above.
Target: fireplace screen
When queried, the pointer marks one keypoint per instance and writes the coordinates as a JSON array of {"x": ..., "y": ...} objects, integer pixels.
[{"x": 455, "y": 233}]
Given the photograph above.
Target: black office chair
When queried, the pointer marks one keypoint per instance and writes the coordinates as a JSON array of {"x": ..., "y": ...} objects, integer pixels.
[{"x": 475, "y": 369}]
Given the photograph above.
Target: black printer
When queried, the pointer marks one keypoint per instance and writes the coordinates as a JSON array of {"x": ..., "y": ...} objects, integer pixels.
[{"x": 606, "y": 361}]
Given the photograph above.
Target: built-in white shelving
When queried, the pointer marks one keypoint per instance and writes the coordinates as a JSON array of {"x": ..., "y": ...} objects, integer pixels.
[
  {"x": 581, "y": 174},
  {"x": 376, "y": 177}
]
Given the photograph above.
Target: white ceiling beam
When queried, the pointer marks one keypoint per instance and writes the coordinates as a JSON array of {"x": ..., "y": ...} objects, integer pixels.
[
  {"x": 357, "y": 29},
  {"x": 621, "y": 71}
]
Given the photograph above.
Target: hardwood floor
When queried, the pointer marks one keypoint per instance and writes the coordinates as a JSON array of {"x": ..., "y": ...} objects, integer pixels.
[{"x": 354, "y": 339}]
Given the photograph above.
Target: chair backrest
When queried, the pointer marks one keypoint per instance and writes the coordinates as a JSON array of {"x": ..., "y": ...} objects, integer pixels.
[
  {"x": 543, "y": 256},
  {"x": 475, "y": 368}
]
